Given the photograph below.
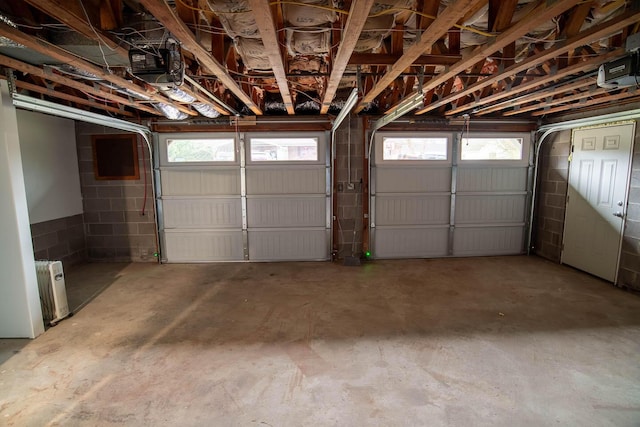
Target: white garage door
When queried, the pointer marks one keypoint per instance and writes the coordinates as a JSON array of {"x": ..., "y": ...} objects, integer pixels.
[
  {"x": 256, "y": 197},
  {"x": 432, "y": 196}
]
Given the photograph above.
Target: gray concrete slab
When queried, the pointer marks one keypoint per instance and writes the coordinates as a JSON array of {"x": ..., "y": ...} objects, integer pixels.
[{"x": 484, "y": 342}]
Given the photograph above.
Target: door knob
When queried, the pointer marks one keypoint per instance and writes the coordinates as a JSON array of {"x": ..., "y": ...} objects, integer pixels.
[{"x": 618, "y": 214}]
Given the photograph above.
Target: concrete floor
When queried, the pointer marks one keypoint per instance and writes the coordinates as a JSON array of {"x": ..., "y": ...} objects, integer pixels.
[{"x": 505, "y": 341}]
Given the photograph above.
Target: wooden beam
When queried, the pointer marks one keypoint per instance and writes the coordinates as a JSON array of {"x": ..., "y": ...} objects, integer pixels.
[
  {"x": 594, "y": 33},
  {"x": 541, "y": 14},
  {"x": 66, "y": 81},
  {"x": 596, "y": 101},
  {"x": 390, "y": 59},
  {"x": 537, "y": 82},
  {"x": 563, "y": 100},
  {"x": 53, "y": 51},
  {"x": 501, "y": 14},
  {"x": 358, "y": 13},
  {"x": 447, "y": 19},
  {"x": 77, "y": 100},
  {"x": 266, "y": 25},
  {"x": 540, "y": 94},
  {"x": 72, "y": 15},
  {"x": 165, "y": 15}
]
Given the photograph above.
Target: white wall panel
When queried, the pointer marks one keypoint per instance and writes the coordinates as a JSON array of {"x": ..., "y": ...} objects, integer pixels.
[
  {"x": 202, "y": 246},
  {"x": 199, "y": 182},
  {"x": 490, "y": 209},
  {"x": 412, "y": 209},
  {"x": 286, "y": 180},
  {"x": 412, "y": 179},
  {"x": 202, "y": 213},
  {"x": 488, "y": 241},
  {"x": 281, "y": 245},
  {"x": 492, "y": 179},
  {"x": 286, "y": 211},
  {"x": 392, "y": 242}
]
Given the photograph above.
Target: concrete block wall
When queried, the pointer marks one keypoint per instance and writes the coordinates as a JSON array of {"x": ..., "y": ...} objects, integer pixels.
[
  {"x": 629, "y": 274},
  {"x": 61, "y": 239},
  {"x": 349, "y": 138},
  {"x": 552, "y": 193},
  {"x": 116, "y": 228}
]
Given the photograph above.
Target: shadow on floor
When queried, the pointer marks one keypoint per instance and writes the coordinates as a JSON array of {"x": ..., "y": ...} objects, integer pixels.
[
  {"x": 86, "y": 281},
  {"x": 216, "y": 304}
]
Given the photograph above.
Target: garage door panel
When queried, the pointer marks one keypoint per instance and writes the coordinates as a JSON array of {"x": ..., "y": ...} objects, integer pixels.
[
  {"x": 290, "y": 180},
  {"x": 285, "y": 245},
  {"x": 392, "y": 242},
  {"x": 490, "y": 209},
  {"x": 412, "y": 209},
  {"x": 286, "y": 211},
  {"x": 492, "y": 179},
  {"x": 197, "y": 182},
  {"x": 202, "y": 213},
  {"x": 204, "y": 246},
  {"x": 488, "y": 241},
  {"x": 412, "y": 179}
]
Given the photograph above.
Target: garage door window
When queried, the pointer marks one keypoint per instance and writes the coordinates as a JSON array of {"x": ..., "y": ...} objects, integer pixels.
[
  {"x": 406, "y": 148},
  {"x": 490, "y": 148},
  {"x": 284, "y": 149},
  {"x": 200, "y": 150}
]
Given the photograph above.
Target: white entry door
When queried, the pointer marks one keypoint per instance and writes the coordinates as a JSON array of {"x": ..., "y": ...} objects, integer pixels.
[{"x": 596, "y": 199}]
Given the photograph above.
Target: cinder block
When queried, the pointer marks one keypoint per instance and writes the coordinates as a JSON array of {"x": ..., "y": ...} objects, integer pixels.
[
  {"x": 96, "y": 205},
  {"x": 147, "y": 229},
  {"x": 125, "y": 229},
  {"x": 553, "y": 225},
  {"x": 109, "y": 191},
  {"x": 555, "y": 200},
  {"x": 45, "y": 241},
  {"x": 109, "y": 217},
  {"x": 101, "y": 229},
  {"x": 632, "y": 229}
]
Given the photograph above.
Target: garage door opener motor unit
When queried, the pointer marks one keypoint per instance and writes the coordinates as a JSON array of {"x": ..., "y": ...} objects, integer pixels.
[{"x": 53, "y": 294}]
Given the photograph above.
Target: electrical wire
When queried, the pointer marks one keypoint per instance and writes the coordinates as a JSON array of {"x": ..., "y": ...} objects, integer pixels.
[{"x": 100, "y": 40}]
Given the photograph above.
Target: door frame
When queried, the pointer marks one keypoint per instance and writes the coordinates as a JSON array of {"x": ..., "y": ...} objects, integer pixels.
[{"x": 633, "y": 123}]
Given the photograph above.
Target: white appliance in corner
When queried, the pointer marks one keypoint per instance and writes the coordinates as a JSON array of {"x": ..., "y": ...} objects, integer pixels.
[{"x": 53, "y": 294}]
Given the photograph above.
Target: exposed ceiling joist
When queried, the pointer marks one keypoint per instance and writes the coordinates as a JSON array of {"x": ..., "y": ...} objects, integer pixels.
[
  {"x": 72, "y": 14},
  {"x": 267, "y": 28},
  {"x": 541, "y": 94},
  {"x": 54, "y": 93},
  {"x": 539, "y": 82},
  {"x": 541, "y": 14},
  {"x": 390, "y": 59},
  {"x": 163, "y": 13},
  {"x": 594, "y": 33},
  {"x": 59, "y": 54},
  {"x": 358, "y": 14},
  {"x": 446, "y": 20},
  {"x": 596, "y": 101},
  {"x": 563, "y": 100},
  {"x": 50, "y": 76}
]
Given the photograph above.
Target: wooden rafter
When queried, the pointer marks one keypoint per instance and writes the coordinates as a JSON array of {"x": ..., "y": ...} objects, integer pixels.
[
  {"x": 266, "y": 25},
  {"x": 390, "y": 59},
  {"x": 165, "y": 15},
  {"x": 66, "y": 81},
  {"x": 59, "y": 54},
  {"x": 355, "y": 22},
  {"x": 596, "y": 101},
  {"x": 54, "y": 93},
  {"x": 540, "y": 94},
  {"x": 541, "y": 14},
  {"x": 437, "y": 29},
  {"x": 536, "y": 82},
  {"x": 594, "y": 33},
  {"x": 71, "y": 14},
  {"x": 557, "y": 101}
]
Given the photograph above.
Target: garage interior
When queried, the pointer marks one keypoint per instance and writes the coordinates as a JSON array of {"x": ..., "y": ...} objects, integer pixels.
[{"x": 383, "y": 212}]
